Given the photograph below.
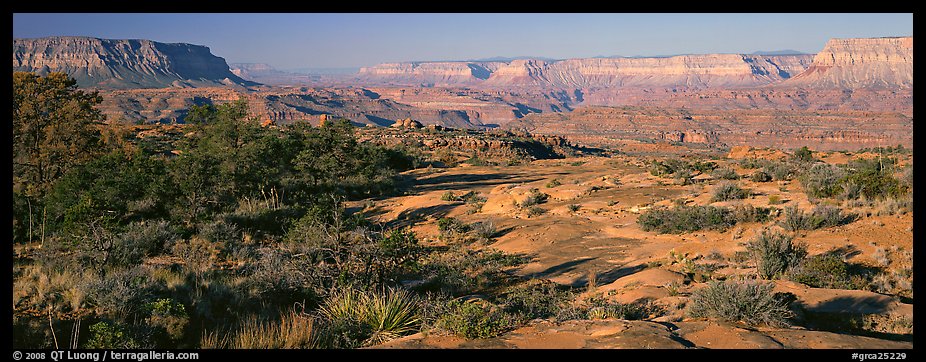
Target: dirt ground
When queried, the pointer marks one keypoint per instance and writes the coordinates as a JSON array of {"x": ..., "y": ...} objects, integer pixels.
[{"x": 599, "y": 241}]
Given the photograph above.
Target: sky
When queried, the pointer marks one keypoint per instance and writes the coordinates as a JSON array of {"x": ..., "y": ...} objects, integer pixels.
[{"x": 293, "y": 41}]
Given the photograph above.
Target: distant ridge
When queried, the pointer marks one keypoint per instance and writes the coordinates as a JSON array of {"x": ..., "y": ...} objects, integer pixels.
[
  {"x": 779, "y": 52},
  {"x": 124, "y": 63}
]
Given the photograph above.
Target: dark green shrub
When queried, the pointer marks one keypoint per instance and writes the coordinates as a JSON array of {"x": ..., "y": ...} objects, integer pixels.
[
  {"x": 749, "y": 213},
  {"x": 740, "y": 301},
  {"x": 827, "y": 216},
  {"x": 104, "y": 335},
  {"x": 823, "y": 271},
  {"x": 535, "y": 300},
  {"x": 473, "y": 320},
  {"x": 874, "y": 178},
  {"x": 803, "y": 154},
  {"x": 573, "y": 207},
  {"x": 685, "y": 218},
  {"x": 451, "y": 228},
  {"x": 169, "y": 319},
  {"x": 775, "y": 253},
  {"x": 728, "y": 191}
]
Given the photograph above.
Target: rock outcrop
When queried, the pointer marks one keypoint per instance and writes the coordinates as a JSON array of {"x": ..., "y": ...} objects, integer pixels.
[
  {"x": 122, "y": 64},
  {"x": 860, "y": 63}
]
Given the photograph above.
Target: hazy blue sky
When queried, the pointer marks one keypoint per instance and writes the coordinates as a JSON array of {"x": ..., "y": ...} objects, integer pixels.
[{"x": 289, "y": 41}]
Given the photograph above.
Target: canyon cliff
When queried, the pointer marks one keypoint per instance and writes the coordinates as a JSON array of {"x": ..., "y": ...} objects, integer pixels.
[{"x": 123, "y": 64}]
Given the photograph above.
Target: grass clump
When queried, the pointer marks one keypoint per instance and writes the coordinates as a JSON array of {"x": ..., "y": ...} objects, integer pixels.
[
  {"x": 741, "y": 301},
  {"x": 775, "y": 253},
  {"x": 352, "y": 318},
  {"x": 573, "y": 207},
  {"x": 553, "y": 183}
]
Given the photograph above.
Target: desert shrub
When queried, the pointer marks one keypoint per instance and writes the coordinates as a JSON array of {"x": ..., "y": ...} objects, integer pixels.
[
  {"x": 553, "y": 183},
  {"x": 874, "y": 178},
  {"x": 573, "y": 207},
  {"x": 803, "y": 154},
  {"x": 724, "y": 173},
  {"x": 669, "y": 167},
  {"x": 535, "y": 197},
  {"x": 474, "y": 320},
  {"x": 827, "y": 216},
  {"x": 459, "y": 271},
  {"x": 104, "y": 335},
  {"x": 122, "y": 292},
  {"x": 169, "y": 320},
  {"x": 451, "y": 228},
  {"x": 728, "y": 191},
  {"x": 535, "y": 299},
  {"x": 774, "y": 200},
  {"x": 740, "y": 301},
  {"x": 599, "y": 307},
  {"x": 751, "y": 163},
  {"x": 535, "y": 211},
  {"x": 685, "y": 218},
  {"x": 448, "y": 196},
  {"x": 795, "y": 219},
  {"x": 198, "y": 255},
  {"x": 483, "y": 231},
  {"x": 821, "y": 216},
  {"x": 141, "y": 239},
  {"x": 760, "y": 176},
  {"x": 823, "y": 271},
  {"x": 775, "y": 253},
  {"x": 748, "y": 213},
  {"x": 822, "y": 180}
]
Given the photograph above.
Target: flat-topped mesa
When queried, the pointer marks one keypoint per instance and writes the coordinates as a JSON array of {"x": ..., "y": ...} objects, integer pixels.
[
  {"x": 860, "y": 63},
  {"x": 698, "y": 71},
  {"x": 708, "y": 70},
  {"x": 126, "y": 63},
  {"x": 436, "y": 73}
]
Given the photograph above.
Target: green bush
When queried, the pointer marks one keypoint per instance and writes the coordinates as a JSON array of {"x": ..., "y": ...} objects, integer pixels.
[
  {"x": 728, "y": 191},
  {"x": 685, "y": 218},
  {"x": 822, "y": 180},
  {"x": 875, "y": 179},
  {"x": 474, "y": 320},
  {"x": 573, "y": 207},
  {"x": 740, "y": 301},
  {"x": 104, "y": 335},
  {"x": 775, "y": 253},
  {"x": 803, "y": 154},
  {"x": 535, "y": 299},
  {"x": 823, "y": 271},
  {"x": 748, "y": 213}
]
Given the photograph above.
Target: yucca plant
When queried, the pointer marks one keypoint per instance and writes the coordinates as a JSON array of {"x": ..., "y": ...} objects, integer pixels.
[
  {"x": 391, "y": 314},
  {"x": 357, "y": 318}
]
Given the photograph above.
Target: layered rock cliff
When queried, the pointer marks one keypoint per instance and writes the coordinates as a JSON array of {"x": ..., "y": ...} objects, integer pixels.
[
  {"x": 698, "y": 71},
  {"x": 860, "y": 63},
  {"x": 429, "y": 73},
  {"x": 121, "y": 64}
]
